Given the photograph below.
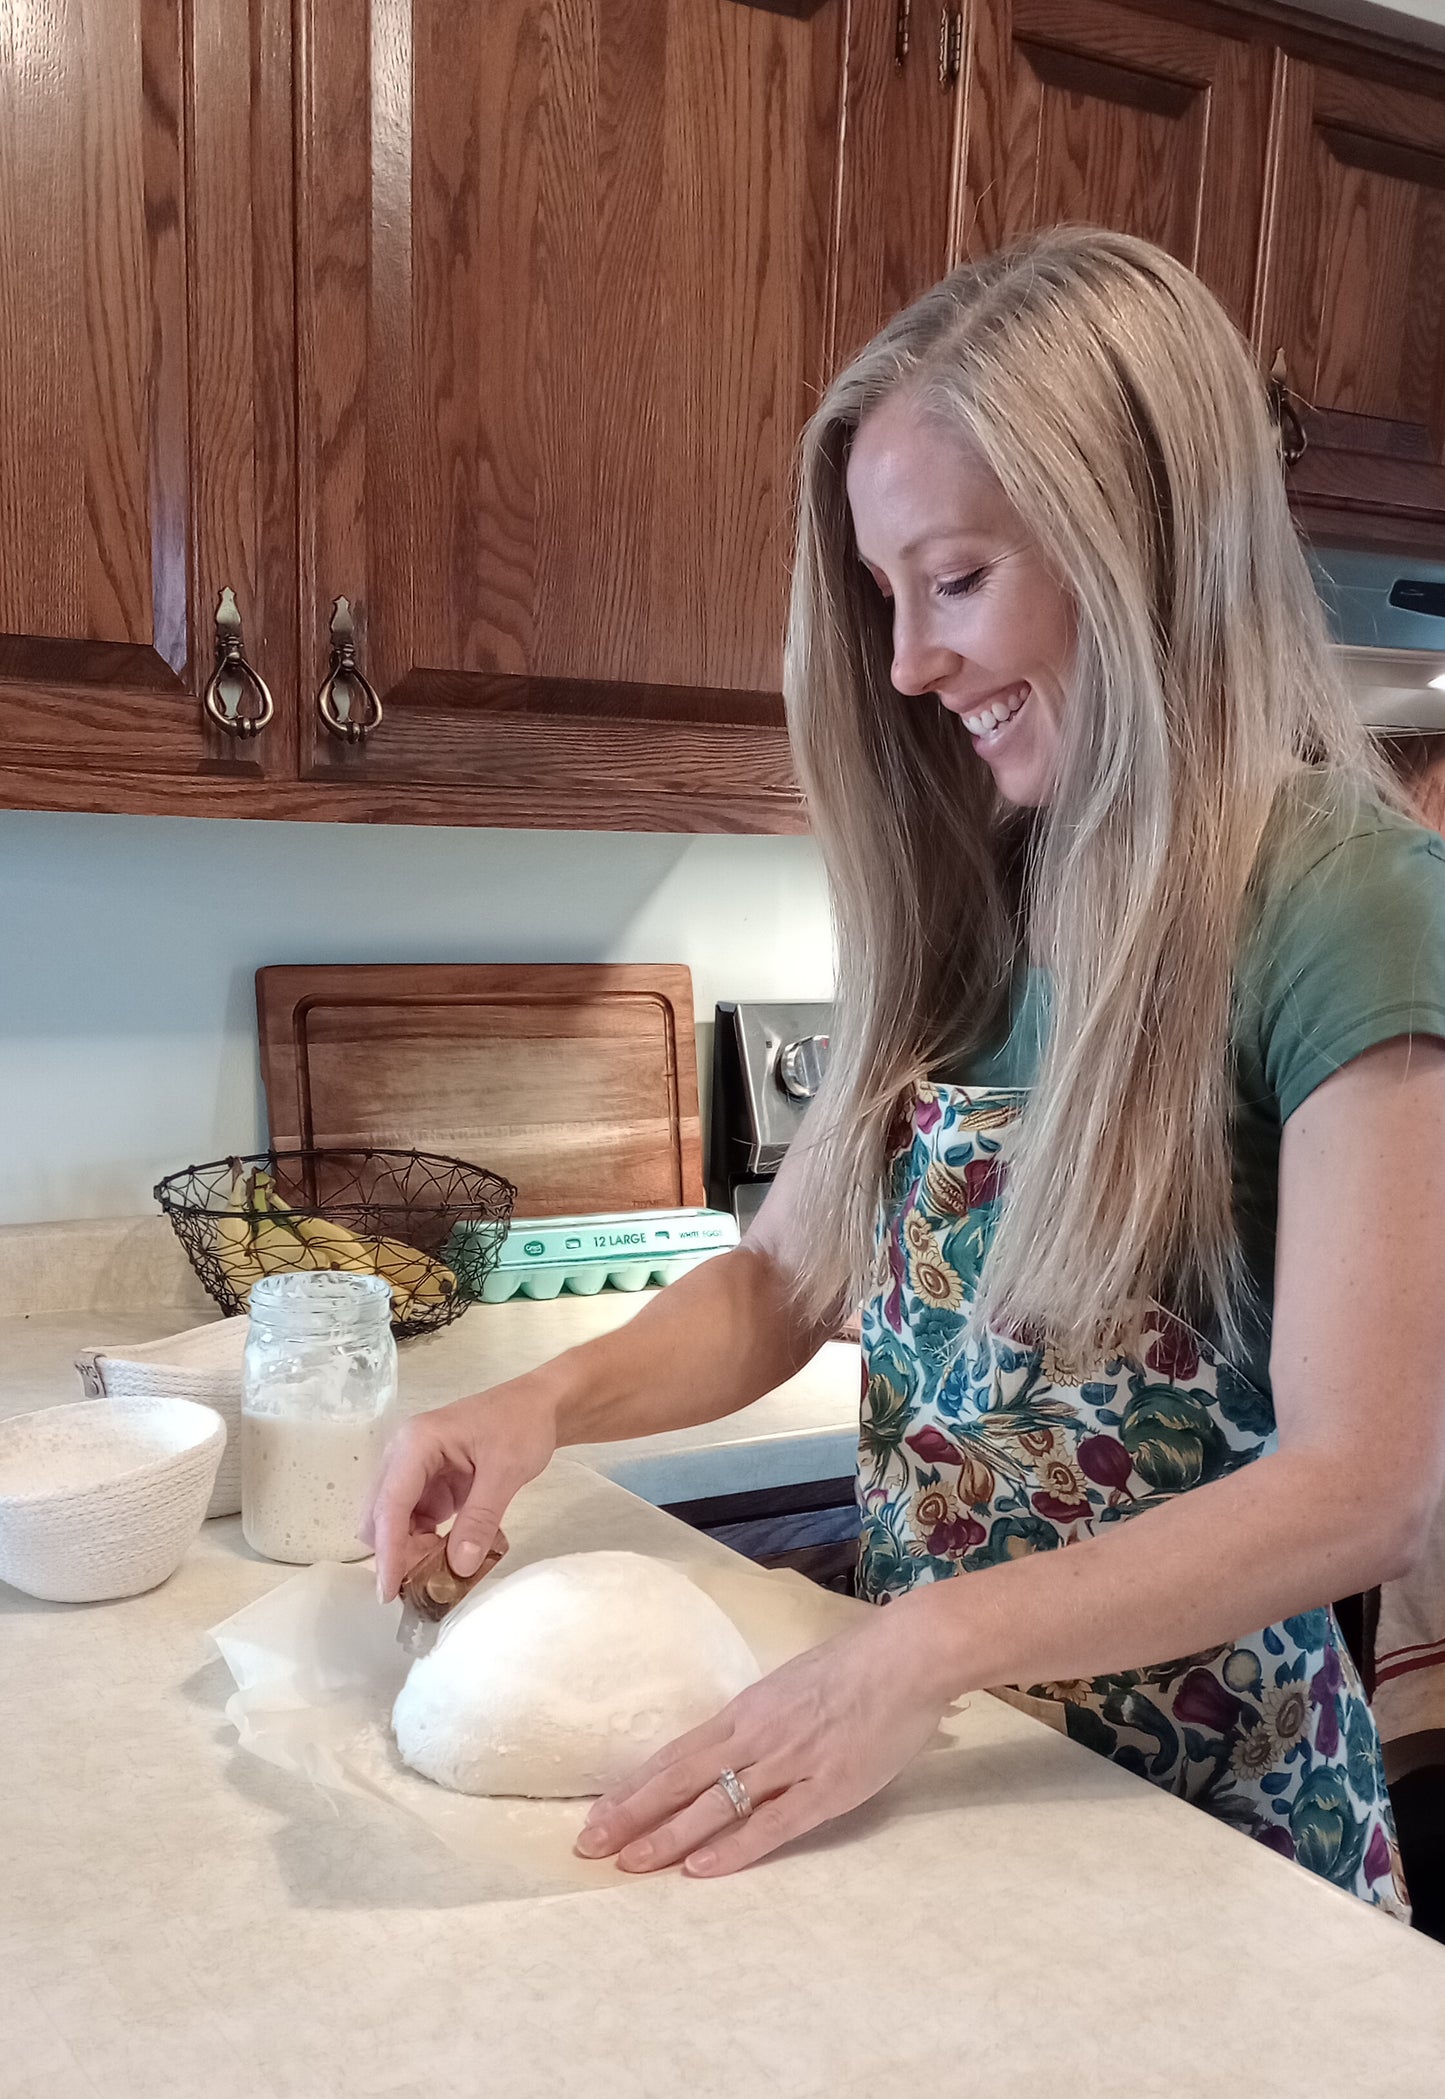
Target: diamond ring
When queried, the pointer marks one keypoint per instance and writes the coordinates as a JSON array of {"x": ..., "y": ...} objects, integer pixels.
[{"x": 736, "y": 1792}]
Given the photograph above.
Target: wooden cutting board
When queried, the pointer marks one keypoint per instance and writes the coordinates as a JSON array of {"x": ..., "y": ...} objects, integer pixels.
[{"x": 576, "y": 1081}]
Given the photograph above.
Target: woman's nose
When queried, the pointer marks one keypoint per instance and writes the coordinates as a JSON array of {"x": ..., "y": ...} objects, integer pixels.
[{"x": 919, "y": 662}]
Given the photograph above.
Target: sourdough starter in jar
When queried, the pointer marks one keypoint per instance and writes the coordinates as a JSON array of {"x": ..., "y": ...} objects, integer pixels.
[{"x": 318, "y": 1404}]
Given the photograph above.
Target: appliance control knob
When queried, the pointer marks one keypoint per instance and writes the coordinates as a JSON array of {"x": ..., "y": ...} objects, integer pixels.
[{"x": 801, "y": 1066}]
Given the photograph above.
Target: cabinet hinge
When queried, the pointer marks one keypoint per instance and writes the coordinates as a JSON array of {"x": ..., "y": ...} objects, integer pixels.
[{"x": 950, "y": 46}]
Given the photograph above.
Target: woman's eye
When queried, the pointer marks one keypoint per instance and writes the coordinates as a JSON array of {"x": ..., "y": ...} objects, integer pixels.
[{"x": 961, "y": 586}]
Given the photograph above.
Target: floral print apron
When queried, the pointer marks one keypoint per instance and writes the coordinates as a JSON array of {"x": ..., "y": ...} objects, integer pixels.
[{"x": 975, "y": 1450}]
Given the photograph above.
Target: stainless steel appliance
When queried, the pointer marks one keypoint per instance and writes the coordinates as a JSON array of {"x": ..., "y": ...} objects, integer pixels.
[
  {"x": 1387, "y": 614},
  {"x": 768, "y": 1062}
]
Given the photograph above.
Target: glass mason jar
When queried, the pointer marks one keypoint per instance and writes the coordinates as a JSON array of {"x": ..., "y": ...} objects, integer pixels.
[{"x": 318, "y": 1401}]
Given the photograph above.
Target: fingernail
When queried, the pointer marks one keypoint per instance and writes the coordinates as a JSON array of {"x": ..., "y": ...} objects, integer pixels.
[
  {"x": 700, "y": 1862},
  {"x": 593, "y": 1840},
  {"x": 465, "y": 1556},
  {"x": 636, "y": 1856},
  {"x": 380, "y": 1590}
]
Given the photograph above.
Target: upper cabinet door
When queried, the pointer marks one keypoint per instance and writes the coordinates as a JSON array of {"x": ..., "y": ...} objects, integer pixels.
[
  {"x": 145, "y": 348},
  {"x": 903, "y": 93},
  {"x": 1355, "y": 299},
  {"x": 1079, "y": 110},
  {"x": 563, "y": 285}
]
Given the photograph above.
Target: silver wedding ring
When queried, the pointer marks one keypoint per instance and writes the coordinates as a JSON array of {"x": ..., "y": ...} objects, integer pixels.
[{"x": 737, "y": 1794}]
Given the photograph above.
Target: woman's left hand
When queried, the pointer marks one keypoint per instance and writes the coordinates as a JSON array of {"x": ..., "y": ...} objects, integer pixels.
[{"x": 817, "y": 1737}]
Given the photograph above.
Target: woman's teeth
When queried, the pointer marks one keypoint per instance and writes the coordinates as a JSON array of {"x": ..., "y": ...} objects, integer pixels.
[{"x": 996, "y": 713}]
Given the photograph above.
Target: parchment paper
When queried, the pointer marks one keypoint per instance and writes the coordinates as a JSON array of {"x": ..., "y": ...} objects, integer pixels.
[{"x": 317, "y": 1669}]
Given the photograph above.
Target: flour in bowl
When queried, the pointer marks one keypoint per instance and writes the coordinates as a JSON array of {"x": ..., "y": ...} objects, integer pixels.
[{"x": 560, "y": 1680}]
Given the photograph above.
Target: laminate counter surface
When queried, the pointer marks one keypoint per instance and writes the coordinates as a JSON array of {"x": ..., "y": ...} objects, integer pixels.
[
  {"x": 181, "y": 1921},
  {"x": 178, "y": 1919},
  {"x": 807, "y": 1430}
]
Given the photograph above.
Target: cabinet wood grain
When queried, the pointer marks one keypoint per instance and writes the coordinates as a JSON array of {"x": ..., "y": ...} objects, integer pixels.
[
  {"x": 1355, "y": 298},
  {"x": 898, "y": 170},
  {"x": 501, "y": 320},
  {"x": 1083, "y": 110},
  {"x": 145, "y": 361},
  {"x": 563, "y": 283}
]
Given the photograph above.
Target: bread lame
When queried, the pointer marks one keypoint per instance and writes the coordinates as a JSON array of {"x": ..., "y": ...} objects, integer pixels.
[{"x": 431, "y": 1590}]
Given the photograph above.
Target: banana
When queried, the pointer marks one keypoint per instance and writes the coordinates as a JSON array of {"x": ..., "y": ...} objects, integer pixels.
[
  {"x": 408, "y": 1270},
  {"x": 234, "y": 1240},
  {"x": 333, "y": 1245},
  {"x": 279, "y": 1247},
  {"x": 284, "y": 1239}
]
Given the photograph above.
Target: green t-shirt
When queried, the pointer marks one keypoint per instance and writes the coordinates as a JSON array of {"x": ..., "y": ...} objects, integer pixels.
[{"x": 1346, "y": 950}]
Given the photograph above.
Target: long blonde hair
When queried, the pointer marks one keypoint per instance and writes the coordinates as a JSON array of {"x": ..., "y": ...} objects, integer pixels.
[{"x": 1127, "y": 424}]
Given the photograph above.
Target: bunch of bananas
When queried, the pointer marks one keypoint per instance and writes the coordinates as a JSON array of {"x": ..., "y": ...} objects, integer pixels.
[{"x": 258, "y": 1235}]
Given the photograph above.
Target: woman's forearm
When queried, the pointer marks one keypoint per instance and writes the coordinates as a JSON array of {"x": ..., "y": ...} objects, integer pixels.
[
  {"x": 1280, "y": 1536},
  {"x": 710, "y": 1343}
]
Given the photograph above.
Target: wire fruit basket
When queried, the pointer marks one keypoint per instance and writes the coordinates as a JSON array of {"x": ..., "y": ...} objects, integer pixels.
[{"x": 388, "y": 1213}]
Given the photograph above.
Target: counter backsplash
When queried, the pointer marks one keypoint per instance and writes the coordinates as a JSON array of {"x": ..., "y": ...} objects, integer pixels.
[{"x": 95, "y": 1265}]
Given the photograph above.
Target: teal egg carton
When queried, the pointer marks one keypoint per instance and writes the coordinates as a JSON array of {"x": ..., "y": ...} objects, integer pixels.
[{"x": 543, "y": 1256}]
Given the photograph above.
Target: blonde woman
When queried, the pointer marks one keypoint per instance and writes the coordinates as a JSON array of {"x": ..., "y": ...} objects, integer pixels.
[{"x": 1133, "y": 1146}]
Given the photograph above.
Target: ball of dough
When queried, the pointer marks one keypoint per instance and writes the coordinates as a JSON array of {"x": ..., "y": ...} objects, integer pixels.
[{"x": 561, "y": 1679}]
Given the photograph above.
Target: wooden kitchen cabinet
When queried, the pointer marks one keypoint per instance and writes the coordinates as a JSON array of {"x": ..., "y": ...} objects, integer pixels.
[
  {"x": 1354, "y": 298},
  {"x": 969, "y": 126},
  {"x": 499, "y": 320},
  {"x": 145, "y": 360},
  {"x": 1142, "y": 122},
  {"x": 1300, "y": 171},
  {"x": 563, "y": 290},
  {"x": 518, "y": 371},
  {"x": 903, "y": 111}
]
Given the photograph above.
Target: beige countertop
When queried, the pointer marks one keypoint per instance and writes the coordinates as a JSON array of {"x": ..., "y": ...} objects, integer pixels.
[
  {"x": 806, "y": 1430},
  {"x": 178, "y": 1919},
  {"x": 98, "y": 1283}
]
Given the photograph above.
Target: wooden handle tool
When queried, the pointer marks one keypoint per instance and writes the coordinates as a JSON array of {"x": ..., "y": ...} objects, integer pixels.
[{"x": 432, "y": 1589}]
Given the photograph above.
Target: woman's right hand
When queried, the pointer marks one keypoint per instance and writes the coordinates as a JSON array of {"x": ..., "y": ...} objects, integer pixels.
[{"x": 466, "y": 1461}]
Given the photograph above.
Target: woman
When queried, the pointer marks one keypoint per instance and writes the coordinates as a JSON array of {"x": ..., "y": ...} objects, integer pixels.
[{"x": 1133, "y": 1144}]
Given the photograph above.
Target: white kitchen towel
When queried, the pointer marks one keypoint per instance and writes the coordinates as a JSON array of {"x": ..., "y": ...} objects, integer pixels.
[{"x": 203, "y": 1363}]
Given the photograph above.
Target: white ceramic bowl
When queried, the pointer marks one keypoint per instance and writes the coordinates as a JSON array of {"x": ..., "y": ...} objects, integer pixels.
[{"x": 104, "y": 1499}]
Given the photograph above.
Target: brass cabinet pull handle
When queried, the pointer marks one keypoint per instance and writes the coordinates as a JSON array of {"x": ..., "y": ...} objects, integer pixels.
[
  {"x": 1283, "y": 413},
  {"x": 363, "y": 707},
  {"x": 233, "y": 669}
]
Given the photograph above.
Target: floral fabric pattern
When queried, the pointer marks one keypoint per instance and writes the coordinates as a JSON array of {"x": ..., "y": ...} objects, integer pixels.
[{"x": 978, "y": 1449}]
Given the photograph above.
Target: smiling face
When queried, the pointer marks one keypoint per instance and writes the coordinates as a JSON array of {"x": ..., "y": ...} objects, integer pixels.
[{"x": 979, "y": 621}]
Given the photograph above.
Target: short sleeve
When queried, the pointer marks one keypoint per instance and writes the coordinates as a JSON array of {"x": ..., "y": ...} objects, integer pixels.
[{"x": 1351, "y": 954}]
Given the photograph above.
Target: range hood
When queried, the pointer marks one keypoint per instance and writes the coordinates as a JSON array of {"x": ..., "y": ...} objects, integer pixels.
[{"x": 1387, "y": 613}]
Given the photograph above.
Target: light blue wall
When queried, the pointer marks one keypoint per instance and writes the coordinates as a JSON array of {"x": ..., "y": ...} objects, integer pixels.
[
  {"x": 128, "y": 947},
  {"x": 1418, "y": 21}
]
